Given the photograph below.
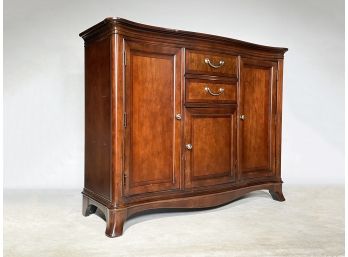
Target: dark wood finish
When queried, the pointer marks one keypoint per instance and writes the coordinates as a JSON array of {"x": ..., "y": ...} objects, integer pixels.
[
  {"x": 212, "y": 133},
  {"x": 256, "y": 131},
  {"x": 120, "y": 26},
  {"x": 98, "y": 118},
  {"x": 196, "y": 93},
  {"x": 87, "y": 207},
  {"x": 115, "y": 219},
  {"x": 146, "y": 100},
  {"x": 195, "y": 63},
  {"x": 278, "y": 119},
  {"x": 152, "y": 136},
  {"x": 277, "y": 192}
]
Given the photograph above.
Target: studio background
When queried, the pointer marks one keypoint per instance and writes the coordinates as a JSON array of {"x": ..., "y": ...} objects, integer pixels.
[{"x": 44, "y": 79}]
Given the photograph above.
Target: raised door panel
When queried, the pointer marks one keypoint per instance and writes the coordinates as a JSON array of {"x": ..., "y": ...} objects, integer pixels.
[
  {"x": 257, "y": 114},
  {"x": 152, "y": 138},
  {"x": 211, "y": 135}
]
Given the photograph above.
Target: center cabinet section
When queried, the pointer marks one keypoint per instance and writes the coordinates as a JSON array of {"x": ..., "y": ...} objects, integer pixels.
[
  {"x": 210, "y": 138},
  {"x": 152, "y": 141},
  {"x": 210, "y": 129}
]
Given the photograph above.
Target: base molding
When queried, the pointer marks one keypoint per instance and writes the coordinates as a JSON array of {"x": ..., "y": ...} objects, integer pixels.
[{"x": 115, "y": 217}]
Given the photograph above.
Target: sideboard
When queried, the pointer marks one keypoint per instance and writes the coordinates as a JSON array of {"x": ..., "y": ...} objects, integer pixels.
[{"x": 177, "y": 119}]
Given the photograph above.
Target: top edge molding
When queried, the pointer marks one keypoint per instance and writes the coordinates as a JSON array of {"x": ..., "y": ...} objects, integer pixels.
[{"x": 112, "y": 25}]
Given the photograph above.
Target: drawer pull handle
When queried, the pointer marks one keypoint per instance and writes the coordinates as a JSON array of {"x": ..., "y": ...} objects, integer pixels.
[
  {"x": 207, "y": 89},
  {"x": 207, "y": 61}
]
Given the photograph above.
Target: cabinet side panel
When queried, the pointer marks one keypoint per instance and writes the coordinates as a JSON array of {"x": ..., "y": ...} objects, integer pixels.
[
  {"x": 98, "y": 118},
  {"x": 279, "y": 117}
]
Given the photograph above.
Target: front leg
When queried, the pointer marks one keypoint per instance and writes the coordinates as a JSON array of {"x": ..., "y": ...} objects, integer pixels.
[
  {"x": 277, "y": 193},
  {"x": 114, "y": 222}
]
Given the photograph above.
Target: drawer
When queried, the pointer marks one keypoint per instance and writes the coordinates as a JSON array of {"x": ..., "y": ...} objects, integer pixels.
[
  {"x": 200, "y": 91},
  {"x": 200, "y": 62}
]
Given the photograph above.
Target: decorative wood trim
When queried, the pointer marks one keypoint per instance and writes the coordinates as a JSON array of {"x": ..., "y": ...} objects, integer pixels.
[
  {"x": 98, "y": 197},
  {"x": 122, "y": 26},
  {"x": 115, "y": 218},
  {"x": 231, "y": 80}
]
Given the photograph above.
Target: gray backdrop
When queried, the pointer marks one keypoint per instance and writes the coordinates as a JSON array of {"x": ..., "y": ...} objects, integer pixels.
[{"x": 44, "y": 80}]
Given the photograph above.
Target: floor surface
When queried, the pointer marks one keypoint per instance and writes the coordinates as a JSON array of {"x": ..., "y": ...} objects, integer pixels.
[{"x": 309, "y": 223}]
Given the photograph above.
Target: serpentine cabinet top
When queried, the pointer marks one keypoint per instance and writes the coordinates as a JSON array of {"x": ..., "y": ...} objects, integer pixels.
[{"x": 185, "y": 38}]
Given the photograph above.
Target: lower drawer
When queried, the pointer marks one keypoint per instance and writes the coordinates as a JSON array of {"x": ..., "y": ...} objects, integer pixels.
[{"x": 202, "y": 91}]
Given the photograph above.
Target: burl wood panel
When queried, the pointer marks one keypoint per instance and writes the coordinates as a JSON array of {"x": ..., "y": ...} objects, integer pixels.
[
  {"x": 195, "y": 63},
  {"x": 212, "y": 133},
  {"x": 196, "y": 93},
  {"x": 257, "y": 129},
  {"x": 153, "y": 149},
  {"x": 98, "y": 118}
]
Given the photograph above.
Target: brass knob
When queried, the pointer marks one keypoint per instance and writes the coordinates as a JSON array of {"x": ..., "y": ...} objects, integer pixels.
[
  {"x": 188, "y": 146},
  {"x": 242, "y": 117},
  {"x": 178, "y": 116}
]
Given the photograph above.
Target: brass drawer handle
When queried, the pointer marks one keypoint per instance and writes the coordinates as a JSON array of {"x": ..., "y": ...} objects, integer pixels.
[
  {"x": 207, "y": 61},
  {"x": 207, "y": 89}
]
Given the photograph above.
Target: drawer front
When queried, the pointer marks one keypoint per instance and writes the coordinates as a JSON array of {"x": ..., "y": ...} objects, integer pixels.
[
  {"x": 198, "y": 91},
  {"x": 200, "y": 62}
]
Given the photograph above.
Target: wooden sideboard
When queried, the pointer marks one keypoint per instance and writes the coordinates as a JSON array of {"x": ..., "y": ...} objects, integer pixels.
[{"x": 177, "y": 119}]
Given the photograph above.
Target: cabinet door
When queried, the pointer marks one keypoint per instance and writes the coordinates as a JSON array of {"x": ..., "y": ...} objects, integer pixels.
[
  {"x": 152, "y": 134},
  {"x": 210, "y": 142},
  {"x": 256, "y": 119}
]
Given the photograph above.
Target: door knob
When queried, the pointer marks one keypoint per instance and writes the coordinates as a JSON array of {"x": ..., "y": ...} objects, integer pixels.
[
  {"x": 242, "y": 117},
  {"x": 178, "y": 116},
  {"x": 188, "y": 146}
]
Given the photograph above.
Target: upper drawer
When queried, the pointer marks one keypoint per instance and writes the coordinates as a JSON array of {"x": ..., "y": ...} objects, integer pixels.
[{"x": 201, "y": 62}]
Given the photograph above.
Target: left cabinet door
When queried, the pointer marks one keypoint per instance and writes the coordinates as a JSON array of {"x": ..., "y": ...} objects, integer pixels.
[{"x": 152, "y": 138}]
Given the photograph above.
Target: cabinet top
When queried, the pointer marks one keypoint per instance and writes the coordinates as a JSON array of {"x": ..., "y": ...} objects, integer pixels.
[{"x": 122, "y": 26}]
